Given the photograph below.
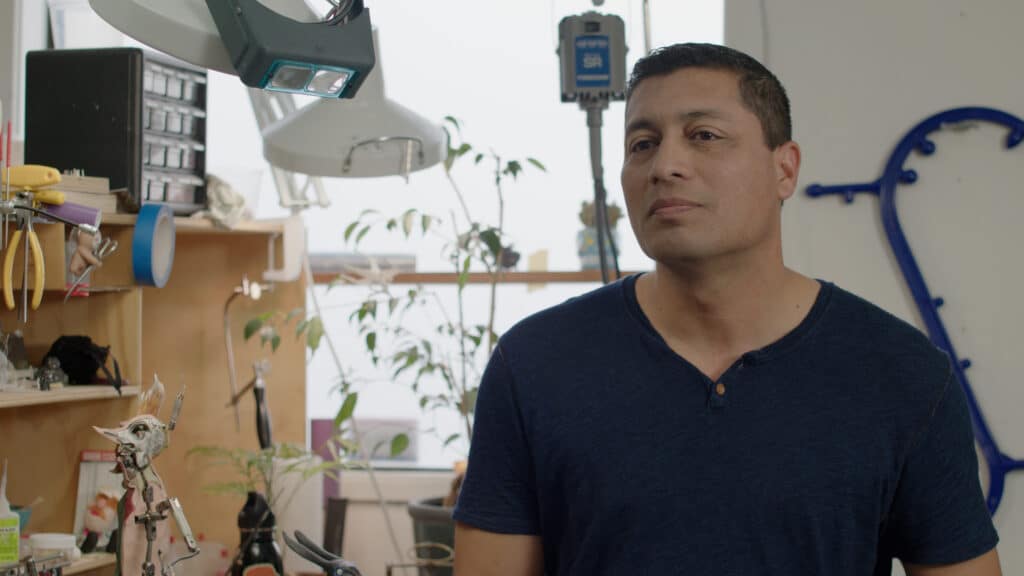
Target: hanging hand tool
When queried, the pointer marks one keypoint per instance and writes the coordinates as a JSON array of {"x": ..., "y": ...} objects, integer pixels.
[
  {"x": 259, "y": 390},
  {"x": 106, "y": 249},
  {"x": 27, "y": 178},
  {"x": 32, "y": 243},
  {"x": 29, "y": 183},
  {"x": 252, "y": 290}
]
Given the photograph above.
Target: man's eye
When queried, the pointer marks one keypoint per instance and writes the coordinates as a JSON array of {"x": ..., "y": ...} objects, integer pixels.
[
  {"x": 705, "y": 136},
  {"x": 641, "y": 146}
]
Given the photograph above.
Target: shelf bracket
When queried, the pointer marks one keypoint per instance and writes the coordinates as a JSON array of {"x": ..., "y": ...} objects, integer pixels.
[{"x": 294, "y": 245}]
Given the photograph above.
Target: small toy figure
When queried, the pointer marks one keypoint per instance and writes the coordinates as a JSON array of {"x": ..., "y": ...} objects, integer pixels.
[{"x": 144, "y": 541}]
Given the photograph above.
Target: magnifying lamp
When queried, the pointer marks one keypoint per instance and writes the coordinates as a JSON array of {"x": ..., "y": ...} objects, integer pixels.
[
  {"x": 360, "y": 135},
  {"x": 276, "y": 46}
]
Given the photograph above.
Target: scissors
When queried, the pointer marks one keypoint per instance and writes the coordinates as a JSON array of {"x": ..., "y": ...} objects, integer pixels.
[{"x": 106, "y": 249}]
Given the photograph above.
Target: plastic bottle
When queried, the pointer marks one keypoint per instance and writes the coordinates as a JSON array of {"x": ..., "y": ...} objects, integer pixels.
[
  {"x": 260, "y": 554},
  {"x": 10, "y": 525}
]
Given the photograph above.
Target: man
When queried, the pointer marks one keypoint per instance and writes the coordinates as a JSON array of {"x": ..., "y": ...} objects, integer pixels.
[{"x": 722, "y": 414}]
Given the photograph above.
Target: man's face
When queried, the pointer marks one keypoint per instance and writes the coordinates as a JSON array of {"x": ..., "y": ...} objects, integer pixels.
[{"x": 698, "y": 179}]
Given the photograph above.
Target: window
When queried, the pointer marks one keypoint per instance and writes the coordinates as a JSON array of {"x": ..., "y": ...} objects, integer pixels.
[{"x": 493, "y": 66}]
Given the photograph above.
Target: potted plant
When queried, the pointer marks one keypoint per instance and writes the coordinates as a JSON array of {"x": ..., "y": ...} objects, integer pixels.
[
  {"x": 587, "y": 238},
  {"x": 276, "y": 473},
  {"x": 443, "y": 367}
]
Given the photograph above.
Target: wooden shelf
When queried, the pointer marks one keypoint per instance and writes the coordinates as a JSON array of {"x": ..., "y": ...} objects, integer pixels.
[
  {"x": 484, "y": 278},
  {"x": 90, "y": 562},
  {"x": 67, "y": 394},
  {"x": 202, "y": 225}
]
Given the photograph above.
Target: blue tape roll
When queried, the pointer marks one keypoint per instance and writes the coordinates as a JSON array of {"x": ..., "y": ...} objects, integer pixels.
[{"x": 153, "y": 245}]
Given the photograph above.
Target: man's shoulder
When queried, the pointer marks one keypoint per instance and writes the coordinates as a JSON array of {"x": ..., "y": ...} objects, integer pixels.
[
  {"x": 874, "y": 335},
  {"x": 576, "y": 317}
]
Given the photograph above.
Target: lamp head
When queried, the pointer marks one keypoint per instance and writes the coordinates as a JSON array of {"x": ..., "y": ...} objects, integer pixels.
[{"x": 328, "y": 59}]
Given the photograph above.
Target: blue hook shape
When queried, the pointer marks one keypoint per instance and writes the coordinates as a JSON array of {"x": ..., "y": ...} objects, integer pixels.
[{"x": 999, "y": 464}]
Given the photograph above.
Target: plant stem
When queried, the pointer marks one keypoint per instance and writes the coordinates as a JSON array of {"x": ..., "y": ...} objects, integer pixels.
[
  {"x": 461, "y": 384},
  {"x": 496, "y": 273},
  {"x": 462, "y": 201},
  {"x": 308, "y": 271}
]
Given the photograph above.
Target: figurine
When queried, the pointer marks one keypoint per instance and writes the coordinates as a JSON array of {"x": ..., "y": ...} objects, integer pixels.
[{"x": 144, "y": 540}]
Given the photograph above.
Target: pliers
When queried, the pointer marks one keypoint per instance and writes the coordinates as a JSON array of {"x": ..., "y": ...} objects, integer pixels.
[
  {"x": 28, "y": 180},
  {"x": 331, "y": 565},
  {"x": 39, "y": 266}
]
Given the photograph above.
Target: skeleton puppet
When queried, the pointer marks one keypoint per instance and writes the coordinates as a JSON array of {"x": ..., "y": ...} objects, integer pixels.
[{"x": 143, "y": 538}]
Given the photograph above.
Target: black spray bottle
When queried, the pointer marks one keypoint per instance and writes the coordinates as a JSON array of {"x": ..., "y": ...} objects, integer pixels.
[{"x": 259, "y": 554}]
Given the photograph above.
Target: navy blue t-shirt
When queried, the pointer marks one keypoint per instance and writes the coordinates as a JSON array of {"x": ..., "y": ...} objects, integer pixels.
[{"x": 833, "y": 450}]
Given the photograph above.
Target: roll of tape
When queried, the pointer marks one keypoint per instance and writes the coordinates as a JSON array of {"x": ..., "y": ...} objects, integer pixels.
[{"x": 153, "y": 245}]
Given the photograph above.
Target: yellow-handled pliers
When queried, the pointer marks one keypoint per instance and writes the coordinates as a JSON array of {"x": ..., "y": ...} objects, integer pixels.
[{"x": 39, "y": 267}]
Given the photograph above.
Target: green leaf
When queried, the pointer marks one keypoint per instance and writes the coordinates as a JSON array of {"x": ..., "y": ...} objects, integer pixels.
[
  {"x": 293, "y": 313},
  {"x": 537, "y": 163},
  {"x": 463, "y": 149},
  {"x": 468, "y": 403},
  {"x": 301, "y": 327},
  {"x": 314, "y": 332},
  {"x": 451, "y": 439},
  {"x": 362, "y": 232},
  {"x": 350, "y": 446},
  {"x": 453, "y": 121},
  {"x": 252, "y": 326},
  {"x": 371, "y": 341},
  {"x": 425, "y": 222},
  {"x": 392, "y": 304},
  {"x": 398, "y": 444},
  {"x": 346, "y": 410},
  {"x": 407, "y": 221},
  {"x": 513, "y": 168},
  {"x": 367, "y": 212},
  {"x": 423, "y": 401},
  {"x": 275, "y": 341},
  {"x": 392, "y": 224},
  {"x": 350, "y": 228},
  {"x": 478, "y": 158},
  {"x": 490, "y": 238}
]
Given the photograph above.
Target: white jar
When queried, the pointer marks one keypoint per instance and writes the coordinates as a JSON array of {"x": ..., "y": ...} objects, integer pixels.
[{"x": 48, "y": 544}]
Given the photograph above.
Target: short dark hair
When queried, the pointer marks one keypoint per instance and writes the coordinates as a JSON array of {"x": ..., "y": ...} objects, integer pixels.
[{"x": 760, "y": 90}]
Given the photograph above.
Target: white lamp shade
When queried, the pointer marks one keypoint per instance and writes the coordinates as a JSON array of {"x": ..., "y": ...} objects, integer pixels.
[{"x": 343, "y": 139}]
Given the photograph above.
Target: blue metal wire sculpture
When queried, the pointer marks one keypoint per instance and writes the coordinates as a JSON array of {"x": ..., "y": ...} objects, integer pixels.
[{"x": 999, "y": 464}]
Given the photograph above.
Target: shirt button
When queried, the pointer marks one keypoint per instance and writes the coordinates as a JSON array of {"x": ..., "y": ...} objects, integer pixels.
[{"x": 720, "y": 389}]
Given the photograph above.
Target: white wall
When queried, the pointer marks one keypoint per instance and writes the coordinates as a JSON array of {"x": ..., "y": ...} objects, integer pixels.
[{"x": 860, "y": 74}]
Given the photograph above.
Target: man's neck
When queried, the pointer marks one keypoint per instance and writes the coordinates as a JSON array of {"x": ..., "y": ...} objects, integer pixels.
[{"x": 713, "y": 313}]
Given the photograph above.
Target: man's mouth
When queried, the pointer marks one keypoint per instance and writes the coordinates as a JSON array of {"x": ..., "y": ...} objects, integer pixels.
[{"x": 671, "y": 206}]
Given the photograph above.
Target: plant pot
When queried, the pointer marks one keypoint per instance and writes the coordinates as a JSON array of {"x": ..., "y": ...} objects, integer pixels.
[
  {"x": 432, "y": 522},
  {"x": 586, "y": 247}
]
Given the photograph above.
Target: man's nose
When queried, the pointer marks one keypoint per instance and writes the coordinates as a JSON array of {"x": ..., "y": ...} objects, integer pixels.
[{"x": 672, "y": 161}]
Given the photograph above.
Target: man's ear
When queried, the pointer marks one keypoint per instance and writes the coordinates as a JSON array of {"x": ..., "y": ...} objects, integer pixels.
[{"x": 787, "y": 168}]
